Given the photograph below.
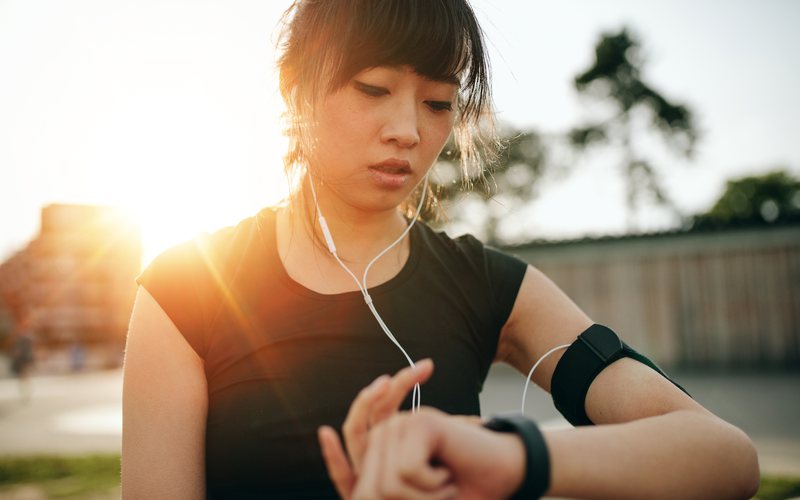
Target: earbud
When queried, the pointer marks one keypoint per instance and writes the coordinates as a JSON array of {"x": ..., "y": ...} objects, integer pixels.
[{"x": 327, "y": 234}]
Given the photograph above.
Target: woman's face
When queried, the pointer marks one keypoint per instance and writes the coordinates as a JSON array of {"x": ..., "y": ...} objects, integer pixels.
[{"x": 378, "y": 136}]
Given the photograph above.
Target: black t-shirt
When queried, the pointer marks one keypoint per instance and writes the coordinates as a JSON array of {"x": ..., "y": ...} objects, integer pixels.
[{"x": 281, "y": 359}]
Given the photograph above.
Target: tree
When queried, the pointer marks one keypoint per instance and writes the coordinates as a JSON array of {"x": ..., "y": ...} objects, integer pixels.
[
  {"x": 771, "y": 198},
  {"x": 615, "y": 77},
  {"x": 509, "y": 185}
]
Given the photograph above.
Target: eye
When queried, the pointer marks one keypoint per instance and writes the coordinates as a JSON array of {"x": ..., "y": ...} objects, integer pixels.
[
  {"x": 440, "y": 105},
  {"x": 370, "y": 90}
]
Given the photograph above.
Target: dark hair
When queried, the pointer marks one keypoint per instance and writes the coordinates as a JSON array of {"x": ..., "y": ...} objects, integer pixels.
[{"x": 326, "y": 42}]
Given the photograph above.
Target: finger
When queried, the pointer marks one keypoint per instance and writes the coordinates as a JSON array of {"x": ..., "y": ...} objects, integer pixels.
[
  {"x": 447, "y": 492},
  {"x": 399, "y": 386},
  {"x": 380, "y": 479},
  {"x": 391, "y": 482},
  {"x": 415, "y": 454},
  {"x": 410, "y": 460},
  {"x": 470, "y": 419},
  {"x": 336, "y": 462},
  {"x": 369, "y": 479},
  {"x": 356, "y": 425},
  {"x": 423, "y": 476}
]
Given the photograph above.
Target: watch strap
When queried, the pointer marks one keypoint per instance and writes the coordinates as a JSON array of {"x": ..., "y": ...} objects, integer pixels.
[{"x": 537, "y": 457}]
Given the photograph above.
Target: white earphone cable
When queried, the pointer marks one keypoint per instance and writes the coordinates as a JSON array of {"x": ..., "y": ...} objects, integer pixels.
[
  {"x": 416, "y": 397},
  {"x": 530, "y": 374}
]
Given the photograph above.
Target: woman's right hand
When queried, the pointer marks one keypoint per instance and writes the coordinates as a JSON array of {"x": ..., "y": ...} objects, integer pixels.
[
  {"x": 377, "y": 402},
  {"x": 391, "y": 453},
  {"x": 429, "y": 456}
]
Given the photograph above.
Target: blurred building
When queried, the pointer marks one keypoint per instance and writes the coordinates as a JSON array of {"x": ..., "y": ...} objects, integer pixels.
[
  {"x": 727, "y": 298},
  {"x": 73, "y": 284}
]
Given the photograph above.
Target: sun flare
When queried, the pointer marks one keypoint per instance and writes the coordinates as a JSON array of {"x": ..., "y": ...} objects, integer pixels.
[
  {"x": 181, "y": 161},
  {"x": 178, "y": 170},
  {"x": 165, "y": 220}
]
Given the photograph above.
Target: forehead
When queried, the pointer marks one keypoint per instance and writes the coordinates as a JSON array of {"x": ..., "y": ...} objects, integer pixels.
[
  {"x": 399, "y": 70},
  {"x": 434, "y": 37}
]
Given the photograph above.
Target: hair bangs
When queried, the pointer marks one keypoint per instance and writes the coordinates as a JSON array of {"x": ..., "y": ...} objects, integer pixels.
[{"x": 438, "y": 38}]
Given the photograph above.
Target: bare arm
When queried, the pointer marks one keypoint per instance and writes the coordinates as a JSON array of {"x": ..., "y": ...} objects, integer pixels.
[
  {"x": 662, "y": 444},
  {"x": 164, "y": 405}
]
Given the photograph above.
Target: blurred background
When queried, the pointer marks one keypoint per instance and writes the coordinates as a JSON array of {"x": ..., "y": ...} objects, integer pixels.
[{"x": 651, "y": 169}]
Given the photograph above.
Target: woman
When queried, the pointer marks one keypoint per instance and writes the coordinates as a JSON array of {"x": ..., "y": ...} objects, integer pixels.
[{"x": 244, "y": 342}]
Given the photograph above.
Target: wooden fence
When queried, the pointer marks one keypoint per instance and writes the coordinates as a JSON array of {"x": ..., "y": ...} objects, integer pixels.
[{"x": 693, "y": 300}]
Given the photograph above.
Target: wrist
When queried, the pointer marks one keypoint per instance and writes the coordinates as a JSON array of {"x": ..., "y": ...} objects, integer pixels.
[
  {"x": 513, "y": 462},
  {"x": 536, "y": 478}
]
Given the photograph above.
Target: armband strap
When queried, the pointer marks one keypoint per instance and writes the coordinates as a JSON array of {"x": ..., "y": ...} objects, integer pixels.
[
  {"x": 537, "y": 458},
  {"x": 596, "y": 348}
]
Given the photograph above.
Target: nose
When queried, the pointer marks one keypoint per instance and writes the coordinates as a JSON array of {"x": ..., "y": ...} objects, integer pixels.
[{"x": 402, "y": 126}]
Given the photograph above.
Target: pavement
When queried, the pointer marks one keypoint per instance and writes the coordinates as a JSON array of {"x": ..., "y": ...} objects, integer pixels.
[{"x": 82, "y": 413}]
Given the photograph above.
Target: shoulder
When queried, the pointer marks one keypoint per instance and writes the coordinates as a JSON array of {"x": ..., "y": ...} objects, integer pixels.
[
  {"x": 195, "y": 272},
  {"x": 468, "y": 250},
  {"x": 487, "y": 271},
  {"x": 190, "y": 281},
  {"x": 442, "y": 245},
  {"x": 211, "y": 253}
]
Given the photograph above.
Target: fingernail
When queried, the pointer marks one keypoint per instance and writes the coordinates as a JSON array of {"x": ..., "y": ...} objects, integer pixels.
[
  {"x": 378, "y": 381},
  {"x": 424, "y": 363}
]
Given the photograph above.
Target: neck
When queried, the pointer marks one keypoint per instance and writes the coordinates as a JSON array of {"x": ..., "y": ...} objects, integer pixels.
[{"x": 358, "y": 235}]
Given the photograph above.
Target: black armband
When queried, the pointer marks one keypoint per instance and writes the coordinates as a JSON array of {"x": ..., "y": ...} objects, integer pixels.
[
  {"x": 537, "y": 458},
  {"x": 596, "y": 348}
]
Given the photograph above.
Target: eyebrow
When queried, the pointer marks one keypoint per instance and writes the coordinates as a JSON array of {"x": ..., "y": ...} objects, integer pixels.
[
  {"x": 447, "y": 79},
  {"x": 450, "y": 79}
]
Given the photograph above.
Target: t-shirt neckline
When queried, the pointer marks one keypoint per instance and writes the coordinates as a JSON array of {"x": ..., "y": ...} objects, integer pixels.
[{"x": 267, "y": 227}]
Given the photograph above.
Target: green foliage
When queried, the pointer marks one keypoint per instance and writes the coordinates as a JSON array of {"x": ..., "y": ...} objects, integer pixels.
[
  {"x": 771, "y": 198},
  {"x": 522, "y": 161},
  {"x": 62, "y": 477},
  {"x": 778, "y": 488},
  {"x": 518, "y": 148},
  {"x": 615, "y": 77},
  {"x": 587, "y": 135}
]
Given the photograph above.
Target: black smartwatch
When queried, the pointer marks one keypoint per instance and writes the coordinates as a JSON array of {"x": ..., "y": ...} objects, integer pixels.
[{"x": 537, "y": 458}]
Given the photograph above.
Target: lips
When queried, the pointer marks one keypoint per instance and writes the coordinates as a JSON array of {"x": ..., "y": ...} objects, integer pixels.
[
  {"x": 392, "y": 166},
  {"x": 391, "y": 174}
]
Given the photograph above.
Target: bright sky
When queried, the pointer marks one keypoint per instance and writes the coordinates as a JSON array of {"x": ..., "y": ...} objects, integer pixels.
[{"x": 169, "y": 108}]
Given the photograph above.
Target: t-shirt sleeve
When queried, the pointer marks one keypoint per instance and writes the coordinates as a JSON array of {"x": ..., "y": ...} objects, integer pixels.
[
  {"x": 505, "y": 273},
  {"x": 501, "y": 273},
  {"x": 179, "y": 281}
]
